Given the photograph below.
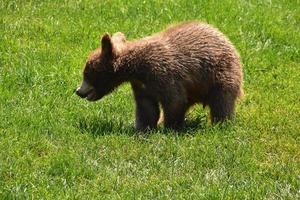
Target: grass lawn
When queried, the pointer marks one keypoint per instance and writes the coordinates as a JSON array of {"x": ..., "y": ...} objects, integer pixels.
[{"x": 55, "y": 145}]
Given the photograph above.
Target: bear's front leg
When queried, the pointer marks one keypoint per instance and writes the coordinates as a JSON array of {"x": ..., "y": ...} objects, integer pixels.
[
  {"x": 147, "y": 114},
  {"x": 174, "y": 113},
  {"x": 147, "y": 108}
]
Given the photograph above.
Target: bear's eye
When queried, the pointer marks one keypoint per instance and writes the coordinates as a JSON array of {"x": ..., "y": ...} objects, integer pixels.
[{"x": 88, "y": 69}]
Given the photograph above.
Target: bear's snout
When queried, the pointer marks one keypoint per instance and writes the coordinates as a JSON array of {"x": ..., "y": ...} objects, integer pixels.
[
  {"x": 77, "y": 91},
  {"x": 84, "y": 90}
]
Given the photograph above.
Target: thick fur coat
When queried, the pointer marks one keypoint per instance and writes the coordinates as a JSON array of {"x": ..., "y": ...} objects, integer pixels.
[{"x": 185, "y": 64}]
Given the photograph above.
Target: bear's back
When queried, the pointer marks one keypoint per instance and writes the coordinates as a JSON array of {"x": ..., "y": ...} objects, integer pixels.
[
  {"x": 199, "y": 40},
  {"x": 201, "y": 48}
]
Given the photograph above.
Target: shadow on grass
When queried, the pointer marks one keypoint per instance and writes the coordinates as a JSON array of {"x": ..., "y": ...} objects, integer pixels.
[
  {"x": 195, "y": 124},
  {"x": 100, "y": 127}
]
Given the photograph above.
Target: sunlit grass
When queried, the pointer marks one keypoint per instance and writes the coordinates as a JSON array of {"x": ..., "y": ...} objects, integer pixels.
[{"x": 57, "y": 146}]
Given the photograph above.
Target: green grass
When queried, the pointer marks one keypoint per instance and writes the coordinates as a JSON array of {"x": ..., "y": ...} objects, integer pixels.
[{"x": 57, "y": 146}]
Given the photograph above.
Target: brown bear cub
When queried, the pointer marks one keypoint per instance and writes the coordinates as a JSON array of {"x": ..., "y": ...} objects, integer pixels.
[{"x": 186, "y": 64}]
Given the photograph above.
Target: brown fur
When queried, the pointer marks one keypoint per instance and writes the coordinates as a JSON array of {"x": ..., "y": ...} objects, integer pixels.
[{"x": 186, "y": 64}]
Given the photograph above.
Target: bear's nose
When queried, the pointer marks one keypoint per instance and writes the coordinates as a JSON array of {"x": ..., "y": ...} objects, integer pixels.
[{"x": 77, "y": 91}]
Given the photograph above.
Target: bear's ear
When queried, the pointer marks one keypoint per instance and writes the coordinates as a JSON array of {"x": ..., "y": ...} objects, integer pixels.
[{"x": 106, "y": 45}]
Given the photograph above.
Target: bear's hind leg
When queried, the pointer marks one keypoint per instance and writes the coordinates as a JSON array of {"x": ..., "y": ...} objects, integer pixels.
[{"x": 222, "y": 103}]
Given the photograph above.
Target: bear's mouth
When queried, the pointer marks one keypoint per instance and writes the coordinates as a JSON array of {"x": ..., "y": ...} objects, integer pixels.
[{"x": 92, "y": 95}]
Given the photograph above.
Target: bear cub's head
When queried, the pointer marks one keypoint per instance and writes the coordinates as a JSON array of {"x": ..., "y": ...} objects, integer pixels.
[{"x": 99, "y": 77}]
